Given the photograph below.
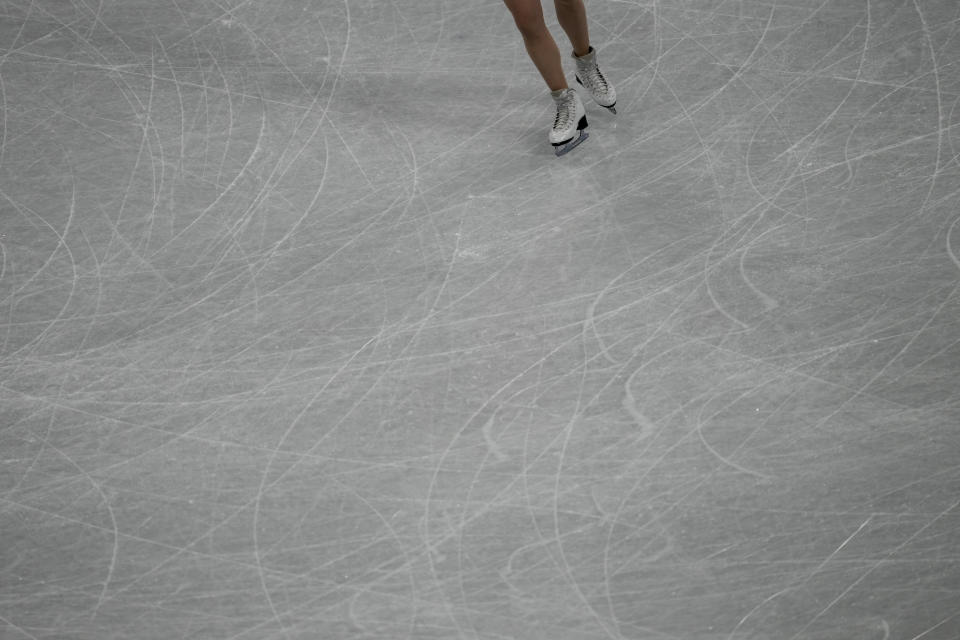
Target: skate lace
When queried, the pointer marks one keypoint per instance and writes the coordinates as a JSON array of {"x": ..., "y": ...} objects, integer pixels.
[
  {"x": 565, "y": 111},
  {"x": 594, "y": 78}
]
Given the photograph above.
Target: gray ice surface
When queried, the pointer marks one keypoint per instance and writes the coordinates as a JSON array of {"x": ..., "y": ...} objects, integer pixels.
[{"x": 305, "y": 332}]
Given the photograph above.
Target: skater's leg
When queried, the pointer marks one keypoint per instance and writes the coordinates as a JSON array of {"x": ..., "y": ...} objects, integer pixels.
[
  {"x": 528, "y": 16},
  {"x": 572, "y": 16}
]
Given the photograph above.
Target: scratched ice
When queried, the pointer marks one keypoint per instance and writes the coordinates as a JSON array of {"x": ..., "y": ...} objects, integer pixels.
[{"x": 305, "y": 332}]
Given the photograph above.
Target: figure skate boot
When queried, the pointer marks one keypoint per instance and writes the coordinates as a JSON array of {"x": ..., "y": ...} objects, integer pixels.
[
  {"x": 590, "y": 77},
  {"x": 569, "y": 127}
]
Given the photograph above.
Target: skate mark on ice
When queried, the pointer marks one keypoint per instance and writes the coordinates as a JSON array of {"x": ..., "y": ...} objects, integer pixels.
[{"x": 949, "y": 242}]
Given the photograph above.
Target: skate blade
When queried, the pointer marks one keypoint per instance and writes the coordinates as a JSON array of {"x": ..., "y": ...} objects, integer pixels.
[
  {"x": 566, "y": 148},
  {"x": 612, "y": 110}
]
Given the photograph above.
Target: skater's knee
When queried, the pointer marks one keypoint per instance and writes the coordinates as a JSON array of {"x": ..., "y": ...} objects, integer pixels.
[
  {"x": 533, "y": 30},
  {"x": 529, "y": 20}
]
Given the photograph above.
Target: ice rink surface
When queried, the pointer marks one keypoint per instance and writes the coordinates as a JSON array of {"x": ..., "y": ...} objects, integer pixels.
[{"x": 305, "y": 332}]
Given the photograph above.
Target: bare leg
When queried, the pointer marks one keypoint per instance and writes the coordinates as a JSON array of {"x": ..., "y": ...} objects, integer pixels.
[
  {"x": 542, "y": 48},
  {"x": 572, "y": 16}
]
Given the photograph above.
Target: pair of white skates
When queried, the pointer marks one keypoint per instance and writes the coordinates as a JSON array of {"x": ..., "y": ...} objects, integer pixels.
[{"x": 569, "y": 127}]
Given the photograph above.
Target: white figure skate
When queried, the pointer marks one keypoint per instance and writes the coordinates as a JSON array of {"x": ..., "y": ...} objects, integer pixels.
[
  {"x": 590, "y": 78},
  {"x": 569, "y": 127}
]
